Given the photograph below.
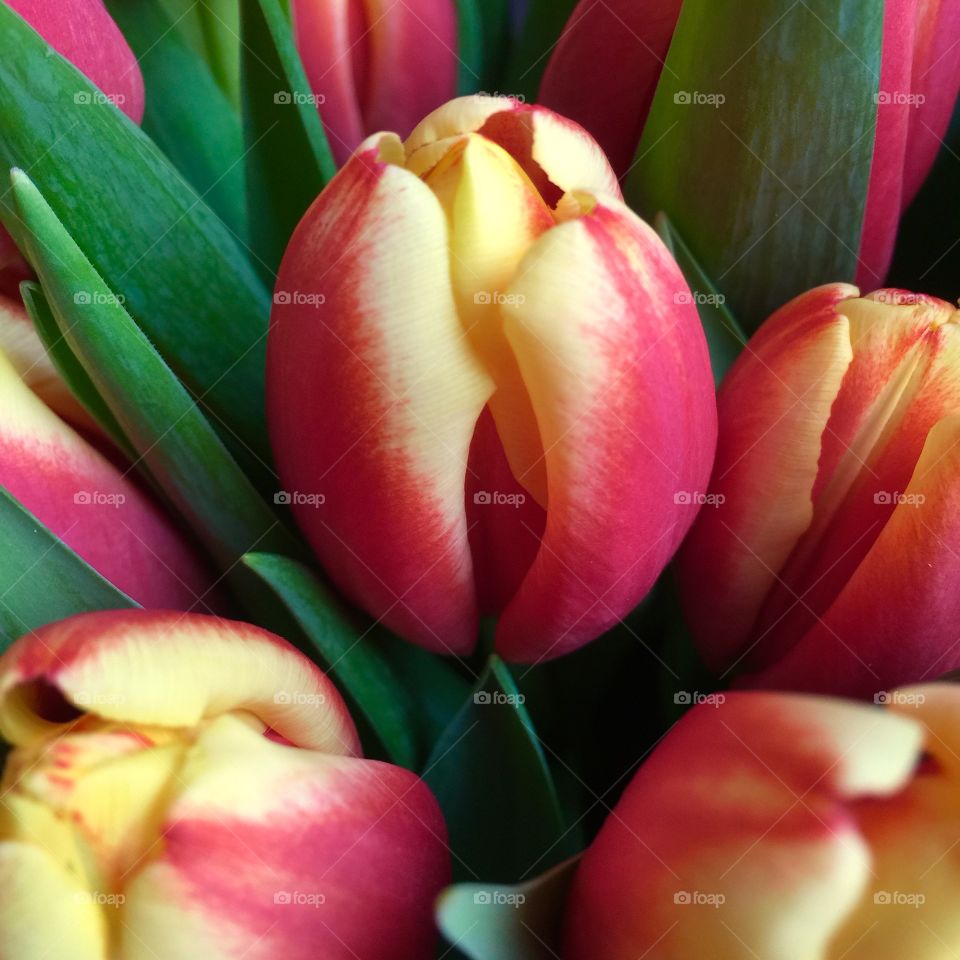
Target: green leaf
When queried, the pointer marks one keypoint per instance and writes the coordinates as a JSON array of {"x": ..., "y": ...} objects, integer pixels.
[
  {"x": 41, "y": 578},
  {"x": 343, "y": 650},
  {"x": 519, "y": 922},
  {"x": 470, "y": 47},
  {"x": 724, "y": 336},
  {"x": 541, "y": 30},
  {"x": 288, "y": 157},
  {"x": 188, "y": 115},
  {"x": 494, "y": 786},
  {"x": 184, "y": 278},
  {"x": 69, "y": 368},
  {"x": 759, "y": 143},
  {"x": 152, "y": 408}
]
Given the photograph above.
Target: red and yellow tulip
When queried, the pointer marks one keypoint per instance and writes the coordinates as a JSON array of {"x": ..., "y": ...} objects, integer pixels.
[
  {"x": 782, "y": 826},
  {"x": 474, "y": 315},
  {"x": 376, "y": 65},
  {"x": 827, "y": 559},
  {"x": 607, "y": 64},
  {"x": 182, "y": 786},
  {"x": 95, "y": 506}
]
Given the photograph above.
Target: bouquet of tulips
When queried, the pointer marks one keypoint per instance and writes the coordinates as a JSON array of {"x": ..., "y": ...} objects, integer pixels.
[{"x": 479, "y": 479}]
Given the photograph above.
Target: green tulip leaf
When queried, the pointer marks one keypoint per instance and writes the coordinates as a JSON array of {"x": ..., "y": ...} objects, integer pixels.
[
  {"x": 41, "y": 578},
  {"x": 184, "y": 278},
  {"x": 288, "y": 159},
  {"x": 152, "y": 408},
  {"x": 345, "y": 651},
  {"x": 759, "y": 144},
  {"x": 519, "y": 922},
  {"x": 541, "y": 30},
  {"x": 724, "y": 336},
  {"x": 492, "y": 780},
  {"x": 188, "y": 115},
  {"x": 69, "y": 367}
]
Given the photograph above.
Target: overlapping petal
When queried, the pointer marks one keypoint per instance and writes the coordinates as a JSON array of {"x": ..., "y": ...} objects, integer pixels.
[
  {"x": 371, "y": 352},
  {"x": 613, "y": 356}
]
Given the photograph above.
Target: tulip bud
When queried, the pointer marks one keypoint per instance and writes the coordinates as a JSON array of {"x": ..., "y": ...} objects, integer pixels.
[
  {"x": 829, "y": 557},
  {"x": 182, "y": 786},
  {"x": 93, "y": 506},
  {"x": 605, "y": 69},
  {"x": 482, "y": 294},
  {"x": 782, "y": 826},
  {"x": 376, "y": 65}
]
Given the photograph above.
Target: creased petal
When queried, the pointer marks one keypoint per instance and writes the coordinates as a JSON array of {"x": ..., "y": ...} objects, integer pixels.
[
  {"x": 745, "y": 801},
  {"x": 611, "y": 349},
  {"x": 271, "y": 852},
  {"x": 605, "y": 68},
  {"x": 774, "y": 406},
  {"x": 373, "y": 397},
  {"x": 167, "y": 669}
]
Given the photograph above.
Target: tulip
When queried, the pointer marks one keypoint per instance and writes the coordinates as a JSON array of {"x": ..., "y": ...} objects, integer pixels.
[
  {"x": 606, "y": 66},
  {"x": 376, "y": 65},
  {"x": 828, "y": 554},
  {"x": 94, "y": 506},
  {"x": 482, "y": 294},
  {"x": 182, "y": 786},
  {"x": 783, "y": 826}
]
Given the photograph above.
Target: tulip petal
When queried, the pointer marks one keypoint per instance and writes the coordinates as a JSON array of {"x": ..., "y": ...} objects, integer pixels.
[
  {"x": 558, "y": 155},
  {"x": 273, "y": 852},
  {"x": 167, "y": 670},
  {"x": 44, "y": 911},
  {"x": 774, "y": 406},
  {"x": 610, "y": 346},
  {"x": 747, "y": 801},
  {"x": 94, "y": 508},
  {"x": 329, "y": 43},
  {"x": 605, "y": 68},
  {"x": 22, "y": 346},
  {"x": 373, "y": 396},
  {"x": 84, "y": 32},
  {"x": 859, "y": 646}
]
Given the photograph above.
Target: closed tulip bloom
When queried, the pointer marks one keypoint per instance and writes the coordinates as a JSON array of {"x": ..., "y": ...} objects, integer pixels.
[
  {"x": 783, "y": 826},
  {"x": 829, "y": 558},
  {"x": 476, "y": 315},
  {"x": 605, "y": 69},
  {"x": 182, "y": 786},
  {"x": 376, "y": 64},
  {"x": 93, "y": 505}
]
